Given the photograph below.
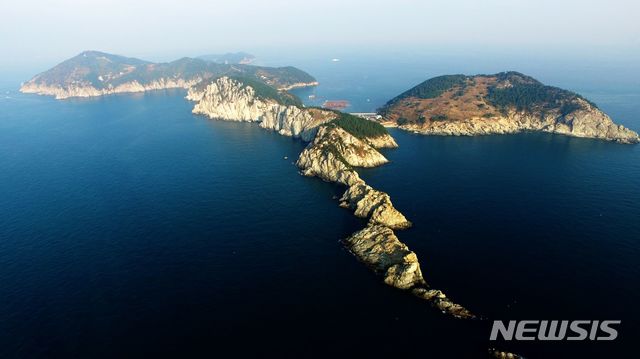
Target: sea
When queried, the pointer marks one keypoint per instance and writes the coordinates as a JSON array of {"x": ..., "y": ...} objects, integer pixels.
[{"x": 130, "y": 227}]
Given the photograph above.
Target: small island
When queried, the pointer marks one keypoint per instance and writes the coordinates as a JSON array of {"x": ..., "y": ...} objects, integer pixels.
[{"x": 507, "y": 102}]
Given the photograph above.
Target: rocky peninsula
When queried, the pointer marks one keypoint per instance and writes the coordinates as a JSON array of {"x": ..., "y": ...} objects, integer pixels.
[
  {"x": 507, "y": 102},
  {"x": 338, "y": 143}
]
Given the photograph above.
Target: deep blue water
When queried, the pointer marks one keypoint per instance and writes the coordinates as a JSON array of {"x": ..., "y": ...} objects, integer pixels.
[{"x": 130, "y": 227}]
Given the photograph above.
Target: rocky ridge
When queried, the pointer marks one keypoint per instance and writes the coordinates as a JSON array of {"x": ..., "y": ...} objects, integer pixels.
[{"x": 332, "y": 154}]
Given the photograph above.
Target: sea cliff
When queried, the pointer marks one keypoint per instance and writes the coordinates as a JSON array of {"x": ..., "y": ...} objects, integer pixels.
[
  {"x": 86, "y": 89},
  {"x": 230, "y": 99},
  {"x": 588, "y": 122}
]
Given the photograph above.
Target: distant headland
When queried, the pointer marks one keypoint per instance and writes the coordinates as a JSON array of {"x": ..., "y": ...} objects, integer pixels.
[{"x": 95, "y": 73}]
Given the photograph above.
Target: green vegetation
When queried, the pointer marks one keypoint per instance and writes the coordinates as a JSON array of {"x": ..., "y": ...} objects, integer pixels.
[
  {"x": 334, "y": 150},
  {"x": 101, "y": 70},
  {"x": 515, "y": 78},
  {"x": 569, "y": 107},
  {"x": 439, "y": 117},
  {"x": 431, "y": 88},
  {"x": 533, "y": 97},
  {"x": 265, "y": 91},
  {"x": 435, "y": 87},
  {"x": 359, "y": 127},
  {"x": 402, "y": 121}
]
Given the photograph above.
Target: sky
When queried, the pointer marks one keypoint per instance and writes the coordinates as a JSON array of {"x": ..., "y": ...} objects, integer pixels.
[{"x": 39, "y": 31}]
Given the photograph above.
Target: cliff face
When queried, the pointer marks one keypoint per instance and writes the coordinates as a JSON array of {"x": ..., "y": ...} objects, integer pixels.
[
  {"x": 588, "y": 122},
  {"x": 368, "y": 202},
  {"x": 378, "y": 247},
  {"x": 384, "y": 141},
  {"x": 86, "y": 89},
  {"x": 231, "y": 100},
  {"x": 500, "y": 104}
]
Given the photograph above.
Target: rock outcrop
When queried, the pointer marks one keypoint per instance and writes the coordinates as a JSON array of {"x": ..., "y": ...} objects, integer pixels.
[
  {"x": 439, "y": 300},
  {"x": 230, "y": 99},
  {"x": 498, "y": 354},
  {"x": 384, "y": 141},
  {"x": 503, "y": 103},
  {"x": 332, "y": 156},
  {"x": 588, "y": 122},
  {"x": 380, "y": 249},
  {"x": 368, "y": 202}
]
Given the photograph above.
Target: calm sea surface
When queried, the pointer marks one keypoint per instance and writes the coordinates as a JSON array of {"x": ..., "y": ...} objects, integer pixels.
[{"x": 130, "y": 227}]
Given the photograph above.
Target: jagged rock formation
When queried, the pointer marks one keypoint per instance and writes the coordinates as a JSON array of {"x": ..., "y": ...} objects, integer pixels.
[
  {"x": 232, "y": 99},
  {"x": 494, "y": 353},
  {"x": 373, "y": 204},
  {"x": 94, "y": 73},
  {"x": 378, "y": 247},
  {"x": 385, "y": 141},
  {"x": 334, "y": 150},
  {"x": 499, "y": 104},
  {"x": 332, "y": 155}
]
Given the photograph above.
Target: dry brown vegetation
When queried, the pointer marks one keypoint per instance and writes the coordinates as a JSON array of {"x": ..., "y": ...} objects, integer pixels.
[{"x": 458, "y": 103}]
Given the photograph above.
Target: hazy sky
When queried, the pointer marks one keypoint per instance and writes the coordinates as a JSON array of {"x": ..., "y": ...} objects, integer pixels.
[{"x": 33, "y": 31}]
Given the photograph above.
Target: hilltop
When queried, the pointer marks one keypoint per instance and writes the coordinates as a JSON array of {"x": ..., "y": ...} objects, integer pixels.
[{"x": 506, "y": 102}]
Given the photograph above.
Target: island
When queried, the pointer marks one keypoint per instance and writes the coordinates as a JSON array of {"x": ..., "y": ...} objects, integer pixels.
[
  {"x": 507, "y": 102},
  {"x": 95, "y": 73}
]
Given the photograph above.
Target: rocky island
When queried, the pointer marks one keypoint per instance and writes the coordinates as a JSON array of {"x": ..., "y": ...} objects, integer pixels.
[
  {"x": 94, "y": 73},
  {"x": 507, "y": 102}
]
